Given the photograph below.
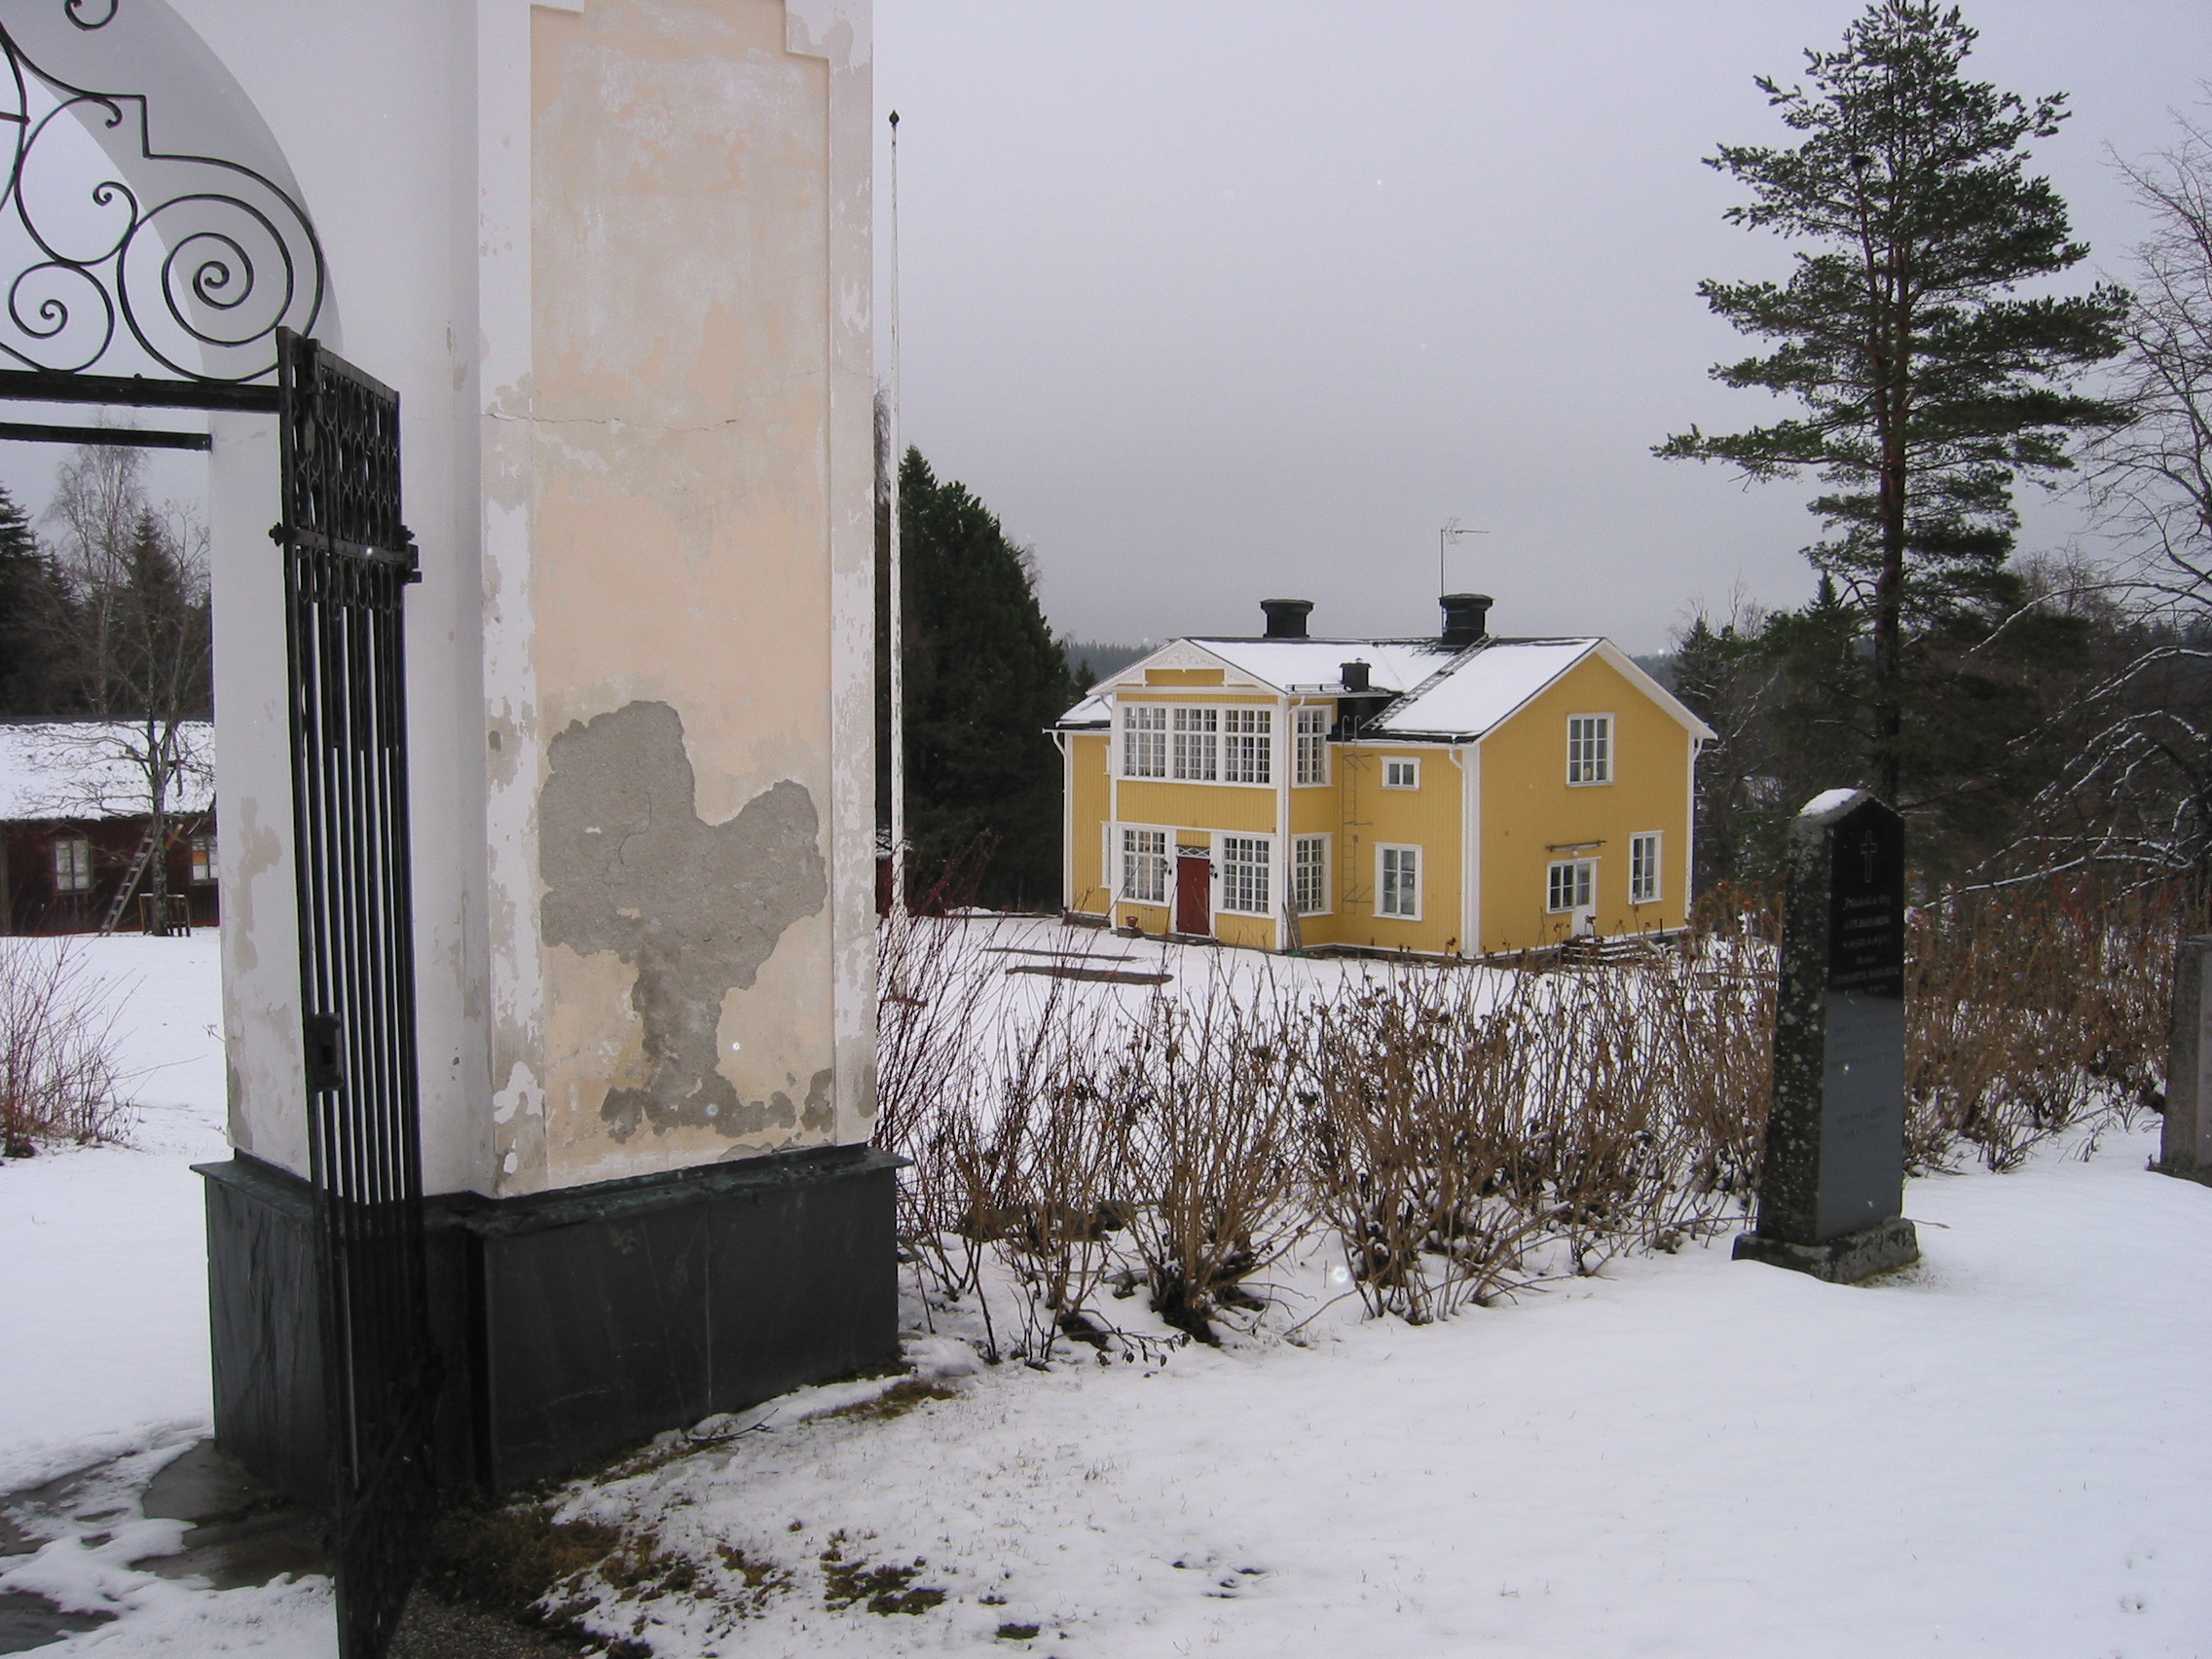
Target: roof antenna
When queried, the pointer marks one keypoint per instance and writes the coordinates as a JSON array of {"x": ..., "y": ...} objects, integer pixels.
[{"x": 1443, "y": 535}]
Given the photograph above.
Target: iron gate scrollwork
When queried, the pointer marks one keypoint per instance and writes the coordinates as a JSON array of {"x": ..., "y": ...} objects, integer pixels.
[{"x": 347, "y": 559}]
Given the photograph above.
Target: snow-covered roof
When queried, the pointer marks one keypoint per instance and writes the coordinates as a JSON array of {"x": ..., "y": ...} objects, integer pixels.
[
  {"x": 1440, "y": 692},
  {"x": 1485, "y": 686},
  {"x": 1092, "y": 710},
  {"x": 83, "y": 769},
  {"x": 1312, "y": 665}
]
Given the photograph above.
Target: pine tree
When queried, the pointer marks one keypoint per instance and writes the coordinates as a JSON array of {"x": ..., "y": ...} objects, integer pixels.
[
  {"x": 1929, "y": 385},
  {"x": 984, "y": 679},
  {"x": 34, "y": 622}
]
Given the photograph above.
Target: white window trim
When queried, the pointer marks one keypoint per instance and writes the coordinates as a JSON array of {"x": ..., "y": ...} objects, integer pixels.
[
  {"x": 1421, "y": 881},
  {"x": 1259, "y": 747},
  {"x": 1390, "y": 760},
  {"x": 1657, "y": 866},
  {"x": 1575, "y": 783},
  {"x": 1568, "y": 910},
  {"x": 1298, "y": 737},
  {"x": 1328, "y": 907},
  {"x": 1122, "y": 734},
  {"x": 1121, "y": 894},
  {"x": 79, "y": 880},
  {"x": 1267, "y": 754},
  {"x": 1264, "y": 864}
]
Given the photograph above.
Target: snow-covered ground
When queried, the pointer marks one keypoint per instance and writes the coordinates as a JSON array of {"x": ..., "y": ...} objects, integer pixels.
[{"x": 2005, "y": 1450}]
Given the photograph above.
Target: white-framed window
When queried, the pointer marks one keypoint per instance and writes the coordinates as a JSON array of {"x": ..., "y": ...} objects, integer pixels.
[
  {"x": 203, "y": 860},
  {"x": 72, "y": 864},
  {"x": 1245, "y": 861},
  {"x": 1398, "y": 882},
  {"x": 1144, "y": 867},
  {"x": 1309, "y": 874},
  {"x": 1197, "y": 743},
  {"x": 1144, "y": 740},
  {"x": 1644, "y": 869},
  {"x": 1589, "y": 749},
  {"x": 1312, "y": 736},
  {"x": 1401, "y": 774},
  {"x": 1248, "y": 744},
  {"x": 1569, "y": 884}
]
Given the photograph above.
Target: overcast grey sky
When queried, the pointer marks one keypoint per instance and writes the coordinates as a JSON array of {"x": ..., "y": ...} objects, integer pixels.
[{"x": 1226, "y": 299}]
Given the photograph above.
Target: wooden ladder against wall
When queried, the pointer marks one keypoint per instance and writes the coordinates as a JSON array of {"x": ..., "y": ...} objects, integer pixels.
[{"x": 129, "y": 883}]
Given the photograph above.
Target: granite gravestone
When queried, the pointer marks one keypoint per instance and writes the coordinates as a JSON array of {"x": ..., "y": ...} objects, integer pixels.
[
  {"x": 2185, "y": 1144},
  {"x": 1832, "y": 1187}
]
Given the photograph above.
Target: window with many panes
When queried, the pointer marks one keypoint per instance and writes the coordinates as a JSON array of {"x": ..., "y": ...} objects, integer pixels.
[
  {"x": 1312, "y": 746},
  {"x": 1569, "y": 884},
  {"x": 1397, "y": 883},
  {"x": 202, "y": 859},
  {"x": 1590, "y": 748},
  {"x": 1644, "y": 869},
  {"x": 1144, "y": 740},
  {"x": 72, "y": 864},
  {"x": 1197, "y": 743},
  {"x": 1309, "y": 874},
  {"x": 1144, "y": 865},
  {"x": 1401, "y": 774},
  {"x": 1247, "y": 735},
  {"x": 1244, "y": 863}
]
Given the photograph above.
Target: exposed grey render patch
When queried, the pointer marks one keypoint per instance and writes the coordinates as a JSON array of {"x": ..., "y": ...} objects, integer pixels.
[{"x": 698, "y": 907}]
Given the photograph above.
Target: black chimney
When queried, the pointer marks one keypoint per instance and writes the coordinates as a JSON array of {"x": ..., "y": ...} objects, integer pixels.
[
  {"x": 1354, "y": 676},
  {"x": 1286, "y": 617},
  {"x": 1467, "y": 620}
]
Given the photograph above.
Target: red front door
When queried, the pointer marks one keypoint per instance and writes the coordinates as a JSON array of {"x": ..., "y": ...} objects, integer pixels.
[{"x": 1193, "y": 894}]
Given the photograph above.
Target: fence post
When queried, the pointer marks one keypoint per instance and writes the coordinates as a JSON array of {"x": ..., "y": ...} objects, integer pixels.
[{"x": 2185, "y": 1147}]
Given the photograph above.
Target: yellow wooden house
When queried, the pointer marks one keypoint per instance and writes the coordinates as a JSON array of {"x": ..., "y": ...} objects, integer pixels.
[{"x": 1460, "y": 794}]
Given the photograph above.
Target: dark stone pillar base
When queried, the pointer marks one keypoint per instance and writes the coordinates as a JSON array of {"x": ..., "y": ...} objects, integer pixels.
[
  {"x": 1882, "y": 1248},
  {"x": 571, "y": 1323},
  {"x": 2183, "y": 1170}
]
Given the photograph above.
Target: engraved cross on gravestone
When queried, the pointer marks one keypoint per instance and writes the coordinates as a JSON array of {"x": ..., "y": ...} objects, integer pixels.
[{"x": 1831, "y": 1189}]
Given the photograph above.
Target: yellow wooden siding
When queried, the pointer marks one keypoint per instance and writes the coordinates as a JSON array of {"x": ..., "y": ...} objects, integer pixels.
[
  {"x": 1156, "y": 695},
  {"x": 1247, "y": 809},
  {"x": 1257, "y": 932},
  {"x": 1527, "y": 806},
  {"x": 1184, "y": 676},
  {"x": 1372, "y": 817},
  {"x": 1091, "y": 889}
]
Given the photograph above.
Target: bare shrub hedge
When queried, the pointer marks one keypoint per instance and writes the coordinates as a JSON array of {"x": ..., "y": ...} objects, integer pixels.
[
  {"x": 59, "y": 1077},
  {"x": 1458, "y": 1133}
]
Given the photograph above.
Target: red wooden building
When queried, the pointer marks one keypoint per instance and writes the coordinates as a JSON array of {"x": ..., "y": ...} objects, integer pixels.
[{"x": 76, "y": 829}]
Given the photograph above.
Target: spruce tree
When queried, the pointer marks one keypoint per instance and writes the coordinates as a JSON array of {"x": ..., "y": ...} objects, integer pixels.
[
  {"x": 1929, "y": 385},
  {"x": 34, "y": 622},
  {"x": 984, "y": 679}
]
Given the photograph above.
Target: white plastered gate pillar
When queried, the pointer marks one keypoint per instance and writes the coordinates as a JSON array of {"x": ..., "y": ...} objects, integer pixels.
[{"x": 614, "y": 256}]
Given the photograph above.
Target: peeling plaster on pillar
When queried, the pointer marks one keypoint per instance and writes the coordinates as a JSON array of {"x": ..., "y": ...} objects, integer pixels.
[
  {"x": 840, "y": 31},
  {"x": 699, "y": 536}
]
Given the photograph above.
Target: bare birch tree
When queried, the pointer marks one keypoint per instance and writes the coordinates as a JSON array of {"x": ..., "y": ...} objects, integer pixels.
[{"x": 141, "y": 647}]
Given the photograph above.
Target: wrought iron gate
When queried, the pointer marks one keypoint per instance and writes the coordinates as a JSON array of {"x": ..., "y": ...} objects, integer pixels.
[{"x": 347, "y": 559}]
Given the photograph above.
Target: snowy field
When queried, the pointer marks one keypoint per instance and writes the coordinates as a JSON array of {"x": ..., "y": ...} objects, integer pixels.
[{"x": 2005, "y": 1450}]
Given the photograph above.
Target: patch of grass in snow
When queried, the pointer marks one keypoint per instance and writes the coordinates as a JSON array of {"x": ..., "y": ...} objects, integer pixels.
[
  {"x": 883, "y": 1589},
  {"x": 897, "y": 1400}
]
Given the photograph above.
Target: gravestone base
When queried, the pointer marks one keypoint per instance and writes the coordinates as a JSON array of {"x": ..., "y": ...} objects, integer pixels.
[
  {"x": 2183, "y": 1170},
  {"x": 1882, "y": 1248}
]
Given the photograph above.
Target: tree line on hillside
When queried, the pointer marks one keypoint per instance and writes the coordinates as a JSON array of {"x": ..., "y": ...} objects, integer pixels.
[{"x": 2028, "y": 717}]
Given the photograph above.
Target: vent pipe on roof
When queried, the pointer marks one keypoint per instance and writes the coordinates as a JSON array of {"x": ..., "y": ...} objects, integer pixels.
[
  {"x": 1467, "y": 620},
  {"x": 1354, "y": 676},
  {"x": 1286, "y": 617}
]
